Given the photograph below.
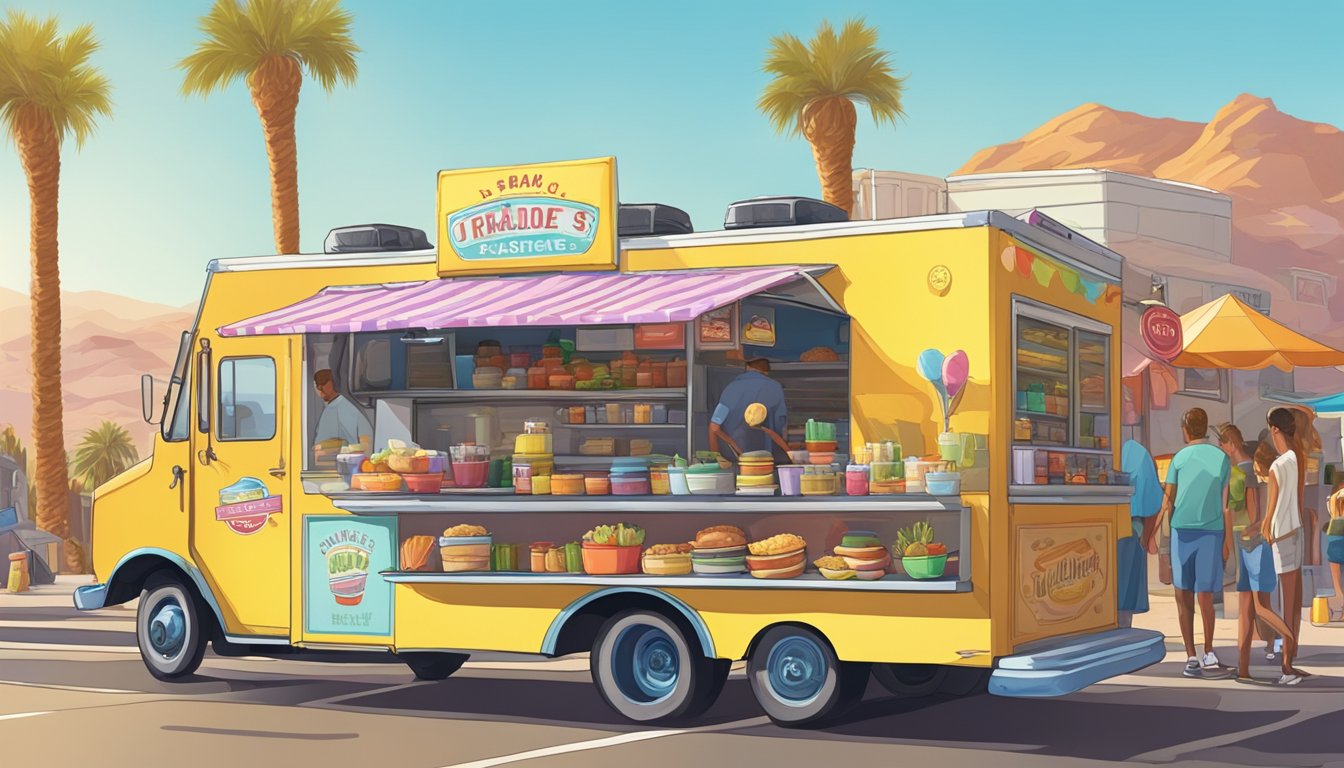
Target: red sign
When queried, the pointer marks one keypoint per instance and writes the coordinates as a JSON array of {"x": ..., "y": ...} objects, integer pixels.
[{"x": 1161, "y": 329}]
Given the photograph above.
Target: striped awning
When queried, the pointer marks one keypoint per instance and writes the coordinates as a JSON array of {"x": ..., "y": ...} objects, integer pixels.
[{"x": 570, "y": 298}]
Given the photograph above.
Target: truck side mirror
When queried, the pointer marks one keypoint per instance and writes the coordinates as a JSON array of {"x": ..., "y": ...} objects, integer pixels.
[{"x": 147, "y": 397}]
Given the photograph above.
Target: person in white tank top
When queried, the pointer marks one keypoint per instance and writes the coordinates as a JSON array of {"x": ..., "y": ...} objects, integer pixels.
[{"x": 1286, "y": 518}]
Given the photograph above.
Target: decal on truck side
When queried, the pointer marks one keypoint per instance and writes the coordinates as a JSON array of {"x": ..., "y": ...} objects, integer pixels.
[{"x": 246, "y": 505}]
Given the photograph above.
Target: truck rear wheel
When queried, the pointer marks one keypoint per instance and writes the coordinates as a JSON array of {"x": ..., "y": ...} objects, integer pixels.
[
  {"x": 647, "y": 669},
  {"x": 168, "y": 628},
  {"x": 910, "y": 681},
  {"x": 430, "y": 665},
  {"x": 798, "y": 679}
]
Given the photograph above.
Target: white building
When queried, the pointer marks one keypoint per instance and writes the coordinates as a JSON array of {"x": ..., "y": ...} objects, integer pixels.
[{"x": 1177, "y": 242}]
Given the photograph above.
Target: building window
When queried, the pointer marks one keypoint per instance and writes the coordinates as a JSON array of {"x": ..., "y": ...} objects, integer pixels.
[
  {"x": 1204, "y": 382},
  {"x": 1309, "y": 290}
]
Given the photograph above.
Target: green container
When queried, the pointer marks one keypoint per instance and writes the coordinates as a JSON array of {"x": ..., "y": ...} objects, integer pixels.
[
  {"x": 927, "y": 567},
  {"x": 504, "y": 557},
  {"x": 573, "y": 557}
]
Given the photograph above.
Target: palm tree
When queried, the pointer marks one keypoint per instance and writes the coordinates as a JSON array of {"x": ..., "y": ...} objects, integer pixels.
[
  {"x": 102, "y": 454},
  {"x": 813, "y": 93},
  {"x": 270, "y": 44},
  {"x": 48, "y": 92}
]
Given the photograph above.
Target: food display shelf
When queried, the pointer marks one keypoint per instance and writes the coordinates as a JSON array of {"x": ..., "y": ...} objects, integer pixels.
[
  {"x": 562, "y": 425},
  {"x": 1040, "y": 415},
  {"x": 393, "y": 503},
  {"x": 600, "y": 395},
  {"x": 836, "y": 367},
  {"x": 1042, "y": 371},
  {"x": 892, "y": 583}
]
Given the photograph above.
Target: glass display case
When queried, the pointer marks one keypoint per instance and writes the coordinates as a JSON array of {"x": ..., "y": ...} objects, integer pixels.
[{"x": 1062, "y": 397}]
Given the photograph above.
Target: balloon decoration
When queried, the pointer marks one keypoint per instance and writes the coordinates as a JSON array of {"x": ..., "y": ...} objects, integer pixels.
[
  {"x": 1043, "y": 271},
  {"x": 948, "y": 375}
]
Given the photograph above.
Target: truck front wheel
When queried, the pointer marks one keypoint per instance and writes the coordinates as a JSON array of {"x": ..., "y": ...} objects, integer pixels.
[{"x": 168, "y": 628}]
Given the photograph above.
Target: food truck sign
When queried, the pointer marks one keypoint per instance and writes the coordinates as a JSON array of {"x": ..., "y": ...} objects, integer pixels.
[
  {"x": 1062, "y": 571},
  {"x": 528, "y": 217}
]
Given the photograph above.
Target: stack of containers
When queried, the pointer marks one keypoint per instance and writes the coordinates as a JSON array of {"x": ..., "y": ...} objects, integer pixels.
[
  {"x": 630, "y": 477},
  {"x": 756, "y": 474},
  {"x": 533, "y": 457}
]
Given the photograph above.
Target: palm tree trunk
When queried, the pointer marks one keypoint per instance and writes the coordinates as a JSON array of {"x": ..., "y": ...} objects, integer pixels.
[
  {"x": 828, "y": 125},
  {"x": 40, "y": 153},
  {"x": 275, "y": 93}
]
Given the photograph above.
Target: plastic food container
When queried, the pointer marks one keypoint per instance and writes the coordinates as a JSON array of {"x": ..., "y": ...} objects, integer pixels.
[
  {"x": 376, "y": 481},
  {"x": 676, "y": 481},
  {"x": 821, "y": 446},
  {"x": 711, "y": 483},
  {"x": 541, "y": 485},
  {"x": 943, "y": 483},
  {"x": 675, "y": 564},
  {"x": 465, "y": 553},
  {"x": 538, "y": 552},
  {"x": 643, "y": 413},
  {"x": 630, "y": 485},
  {"x": 487, "y": 378},
  {"x": 660, "y": 481},
  {"x": 856, "y": 480},
  {"x": 816, "y": 457},
  {"x": 426, "y": 483},
  {"x": 567, "y": 485},
  {"x": 348, "y": 464},
  {"x": 525, "y": 444},
  {"x": 790, "y": 476},
  {"x": 818, "y": 484},
  {"x": 471, "y": 474},
  {"x": 597, "y": 486},
  {"x": 560, "y": 381},
  {"x": 609, "y": 559}
]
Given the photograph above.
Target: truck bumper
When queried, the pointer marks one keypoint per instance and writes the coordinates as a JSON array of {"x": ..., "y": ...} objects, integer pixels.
[
  {"x": 1058, "y": 667},
  {"x": 90, "y": 597}
]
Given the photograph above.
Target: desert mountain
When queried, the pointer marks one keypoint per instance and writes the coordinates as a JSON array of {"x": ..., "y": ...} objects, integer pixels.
[
  {"x": 1285, "y": 176},
  {"x": 107, "y": 341}
]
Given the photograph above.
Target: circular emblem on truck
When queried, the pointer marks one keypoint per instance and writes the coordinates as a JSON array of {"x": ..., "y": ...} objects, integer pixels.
[{"x": 1161, "y": 330}]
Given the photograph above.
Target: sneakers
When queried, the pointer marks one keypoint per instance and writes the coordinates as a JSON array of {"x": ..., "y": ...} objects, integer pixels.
[
  {"x": 1210, "y": 661},
  {"x": 1289, "y": 680},
  {"x": 1192, "y": 668}
]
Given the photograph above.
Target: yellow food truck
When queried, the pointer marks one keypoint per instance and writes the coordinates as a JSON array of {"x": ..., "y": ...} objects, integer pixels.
[{"x": 508, "y": 444}]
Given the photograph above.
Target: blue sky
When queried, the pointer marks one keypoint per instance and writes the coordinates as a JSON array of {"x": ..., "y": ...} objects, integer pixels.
[{"x": 168, "y": 183}]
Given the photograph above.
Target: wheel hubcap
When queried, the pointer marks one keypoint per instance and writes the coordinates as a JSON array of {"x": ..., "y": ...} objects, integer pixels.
[
  {"x": 645, "y": 664},
  {"x": 796, "y": 670},
  {"x": 168, "y": 629}
]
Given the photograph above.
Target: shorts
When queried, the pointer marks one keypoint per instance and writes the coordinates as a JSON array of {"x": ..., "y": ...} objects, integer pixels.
[
  {"x": 1257, "y": 570},
  {"x": 1197, "y": 560},
  {"x": 1288, "y": 553},
  {"x": 1334, "y": 549}
]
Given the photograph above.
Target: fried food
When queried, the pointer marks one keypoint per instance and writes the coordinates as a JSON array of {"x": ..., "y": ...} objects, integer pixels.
[
  {"x": 669, "y": 549},
  {"x": 831, "y": 563},
  {"x": 466, "y": 530},
  {"x": 777, "y": 545},
  {"x": 720, "y": 536}
]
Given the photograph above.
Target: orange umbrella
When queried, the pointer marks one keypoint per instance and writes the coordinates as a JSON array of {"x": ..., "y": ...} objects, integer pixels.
[{"x": 1227, "y": 333}]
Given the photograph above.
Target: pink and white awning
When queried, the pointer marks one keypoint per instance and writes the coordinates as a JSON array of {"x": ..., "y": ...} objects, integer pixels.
[{"x": 570, "y": 298}]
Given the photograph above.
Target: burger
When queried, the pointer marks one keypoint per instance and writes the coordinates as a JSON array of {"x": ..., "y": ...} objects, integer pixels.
[{"x": 719, "y": 537}]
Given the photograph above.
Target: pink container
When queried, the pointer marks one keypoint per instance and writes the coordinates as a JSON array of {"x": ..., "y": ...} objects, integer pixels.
[
  {"x": 470, "y": 474},
  {"x": 631, "y": 486},
  {"x": 856, "y": 480},
  {"x": 522, "y": 478},
  {"x": 789, "y": 482}
]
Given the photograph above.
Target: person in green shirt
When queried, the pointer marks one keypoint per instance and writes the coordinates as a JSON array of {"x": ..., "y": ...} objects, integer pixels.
[{"x": 1195, "y": 503}]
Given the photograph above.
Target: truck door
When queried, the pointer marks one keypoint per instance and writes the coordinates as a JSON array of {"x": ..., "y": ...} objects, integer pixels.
[{"x": 242, "y": 483}]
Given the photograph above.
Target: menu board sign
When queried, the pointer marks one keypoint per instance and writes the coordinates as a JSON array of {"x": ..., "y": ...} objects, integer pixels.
[
  {"x": 1062, "y": 572},
  {"x": 544, "y": 216},
  {"x": 343, "y": 593}
]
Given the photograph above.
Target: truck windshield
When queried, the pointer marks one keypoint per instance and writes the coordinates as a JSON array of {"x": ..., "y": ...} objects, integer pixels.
[{"x": 175, "y": 411}]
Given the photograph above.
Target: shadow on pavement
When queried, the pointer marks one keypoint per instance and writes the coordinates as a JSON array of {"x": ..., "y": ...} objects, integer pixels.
[{"x": 1312, "y": 742}]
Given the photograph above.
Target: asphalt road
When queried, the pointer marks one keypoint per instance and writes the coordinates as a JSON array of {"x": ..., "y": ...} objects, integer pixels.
[{"x": 73, "y": 692}]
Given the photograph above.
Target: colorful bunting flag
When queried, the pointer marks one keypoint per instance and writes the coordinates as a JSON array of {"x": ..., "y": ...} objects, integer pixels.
[{"x": 1028, "y": 263}]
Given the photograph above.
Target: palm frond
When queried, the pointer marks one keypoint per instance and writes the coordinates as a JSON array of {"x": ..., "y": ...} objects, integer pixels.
[
  {"x": 847, "y": 64},
  {"x": 103, "y": 453},
  {"x": 41, "y": 69},
  {"x": 238, "y": 37}
]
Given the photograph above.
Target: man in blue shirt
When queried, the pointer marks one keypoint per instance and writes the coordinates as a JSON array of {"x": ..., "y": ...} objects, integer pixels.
[
  {"x": 1195, "y": 502},
  {"x": 729, "y": 418},
  {"x": 1131, "y": 559}
]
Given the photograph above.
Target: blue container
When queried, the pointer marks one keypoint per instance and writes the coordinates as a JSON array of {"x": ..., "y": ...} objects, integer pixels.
[{"x": 464, "y": 366}]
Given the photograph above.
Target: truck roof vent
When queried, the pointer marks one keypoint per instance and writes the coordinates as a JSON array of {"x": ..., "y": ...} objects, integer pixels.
[
  {"x": 643, "y": 219},
  {"x": 375, "y": 237},
  {"x": 782, "y": 211}
]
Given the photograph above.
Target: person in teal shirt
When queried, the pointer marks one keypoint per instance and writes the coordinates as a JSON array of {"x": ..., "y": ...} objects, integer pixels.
[
  {"x": 1144, "y": 504},
  {"x": 1195, "y": 503}
]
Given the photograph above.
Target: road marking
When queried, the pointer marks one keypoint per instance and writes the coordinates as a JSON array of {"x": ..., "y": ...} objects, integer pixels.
[
  {"x": 609, "y": 741},
  {"x": 8, "y": 645},
  {"x": 359, "y": 694},
  {"x": 58, "y": 687},
  {"x": 21, "y": 715}
]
